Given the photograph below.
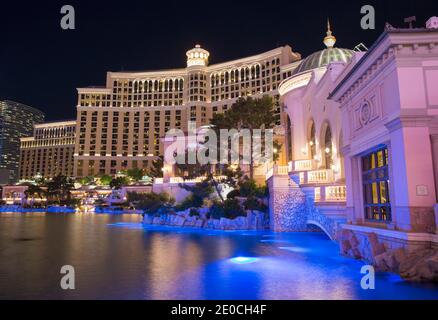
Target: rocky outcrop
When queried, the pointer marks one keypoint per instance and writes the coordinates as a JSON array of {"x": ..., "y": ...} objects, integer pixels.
[
  {"x": 254, "y": 220},
  {"x": 418, "y": 265}
]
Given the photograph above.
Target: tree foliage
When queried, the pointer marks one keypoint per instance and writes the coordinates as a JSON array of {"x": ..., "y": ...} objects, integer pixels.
[
  {"x": 105, "y": 180},
  {"x": 118, "y": 182},
  {"x": 247, "y": 113},
  {"x": 152, "y": 203},
  {"x": 156, "y": 170},
  {"x": 135, "y": 174},
  {"x": 59, "y": 190}
]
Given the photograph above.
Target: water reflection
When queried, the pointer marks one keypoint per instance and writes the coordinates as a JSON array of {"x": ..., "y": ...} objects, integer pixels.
[{"x": 116, "y": 257}]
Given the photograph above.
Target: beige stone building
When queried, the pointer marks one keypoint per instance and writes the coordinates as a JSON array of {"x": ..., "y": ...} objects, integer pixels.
[
  {"x": 49, "y": 151},
  {"x": 120, "y": 126}
]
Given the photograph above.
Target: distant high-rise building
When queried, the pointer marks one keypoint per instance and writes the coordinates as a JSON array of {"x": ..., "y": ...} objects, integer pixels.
[
  {"x": 16, "y": 121},
  {"x": 49, "y": 152}
]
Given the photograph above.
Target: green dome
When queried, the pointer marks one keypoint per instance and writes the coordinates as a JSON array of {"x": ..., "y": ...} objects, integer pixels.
[{"x": 323, "y": 58}]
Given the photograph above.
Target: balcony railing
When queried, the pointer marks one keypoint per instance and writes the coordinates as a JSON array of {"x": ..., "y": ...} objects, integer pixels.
[
  {"x": 316, "y": 176},
  {"x": 302, "y": 165},
  {"x": 335, "y": 193},
  {"x": 277, "y": 170}
]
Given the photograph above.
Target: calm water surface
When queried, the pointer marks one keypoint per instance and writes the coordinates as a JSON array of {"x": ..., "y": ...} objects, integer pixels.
[{"x": 115, "y": 257}]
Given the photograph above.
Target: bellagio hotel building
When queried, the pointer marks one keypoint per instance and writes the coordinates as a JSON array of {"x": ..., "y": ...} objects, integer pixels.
[{"x": 120, "y": 126}]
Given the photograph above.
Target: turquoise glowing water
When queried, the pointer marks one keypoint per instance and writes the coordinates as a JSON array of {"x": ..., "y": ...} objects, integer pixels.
[{"x": 115, "y": 257}]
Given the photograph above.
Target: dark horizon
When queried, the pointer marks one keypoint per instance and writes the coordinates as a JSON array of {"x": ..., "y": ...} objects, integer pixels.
[{"x": 42, "y": 65}]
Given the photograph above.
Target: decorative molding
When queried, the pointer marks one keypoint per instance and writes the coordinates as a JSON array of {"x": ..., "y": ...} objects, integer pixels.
[{"x": 407, "y": 121}]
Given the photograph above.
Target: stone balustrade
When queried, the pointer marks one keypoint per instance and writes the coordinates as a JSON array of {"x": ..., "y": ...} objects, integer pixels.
[
  {"x": 334, "y": 193},
  {"x": 302, "y": 165},
  {"x": 316, "y": 176},
  {"x": 277, "y": 170}
]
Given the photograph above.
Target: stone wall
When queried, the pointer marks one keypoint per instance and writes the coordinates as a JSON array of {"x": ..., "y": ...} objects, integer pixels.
[
  {"x": 287, "y": 210},
  {"x": 293, "y": 210}
]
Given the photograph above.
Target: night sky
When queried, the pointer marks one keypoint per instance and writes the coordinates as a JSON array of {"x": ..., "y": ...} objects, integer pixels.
[{"x": 42, "y": 65}]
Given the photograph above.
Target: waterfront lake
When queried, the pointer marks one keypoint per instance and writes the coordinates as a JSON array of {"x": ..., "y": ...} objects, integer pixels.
[{"x": 116, "y": 257}]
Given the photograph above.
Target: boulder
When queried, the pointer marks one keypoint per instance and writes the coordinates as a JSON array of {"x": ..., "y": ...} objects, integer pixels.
[
  {"x": 353, "y": 241},
  {"x": 156, "y": 220},
  {"x": 200, "y": 223},
  {"x": 380, "y": 262},
  {"x": 390, "y": 261},
  {"x": 179, "y": 221},
  {"x": 354, "y": 253},
  {"x": 399, "y": 255},
  {"x": 147, "y": 219},
  {"x": 345, "y": 246},
  {"x": 421, "y": 265}
]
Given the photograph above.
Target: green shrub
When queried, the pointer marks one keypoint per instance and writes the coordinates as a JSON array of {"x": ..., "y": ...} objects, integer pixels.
[
  {"x": 249, "y": 188},
  {"x": 155, "y": 203},
  {"x": 190, "y": 202},
  {"x": 253, "y": 203},
  {"x": 233, "y": 209},
  {"x": 216, "y": 211},
  {"x": 229, "y": 209}
]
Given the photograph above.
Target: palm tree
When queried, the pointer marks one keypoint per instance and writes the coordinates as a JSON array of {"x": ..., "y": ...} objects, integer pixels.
[
  {"x": 59, "y": 189},
  {"x": 34, "y": 191}
]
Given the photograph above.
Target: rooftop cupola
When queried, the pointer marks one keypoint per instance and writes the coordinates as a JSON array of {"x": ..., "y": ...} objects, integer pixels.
[
  {"x": 330, "y": 39},
  {"x": 197, "y": 56}
]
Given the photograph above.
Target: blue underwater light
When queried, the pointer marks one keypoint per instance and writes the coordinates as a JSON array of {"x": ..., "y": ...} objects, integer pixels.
[{"x": 243, "y": 260}]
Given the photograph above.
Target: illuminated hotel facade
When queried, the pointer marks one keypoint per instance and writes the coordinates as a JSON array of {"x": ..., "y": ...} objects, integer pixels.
[
  {"x": 49, "y": 152},
  {"x": 121, "y": 125}
]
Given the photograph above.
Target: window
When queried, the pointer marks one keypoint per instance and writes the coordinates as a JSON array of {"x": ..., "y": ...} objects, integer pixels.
[{"x": 375, "y": 181}]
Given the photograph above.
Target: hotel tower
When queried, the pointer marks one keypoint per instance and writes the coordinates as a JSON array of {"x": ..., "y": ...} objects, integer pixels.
[{"x": 120, "y": 125}]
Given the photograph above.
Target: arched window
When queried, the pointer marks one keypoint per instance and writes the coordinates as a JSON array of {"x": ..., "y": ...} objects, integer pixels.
[
  {"x": 289, "y": 138},
  {"x": 312, "y": 140},
  {"x": 166, "y": 85},
  {"x": 328, "y": 148}
]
